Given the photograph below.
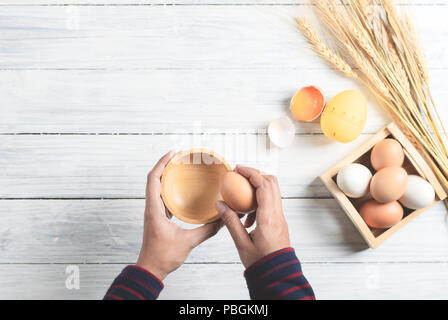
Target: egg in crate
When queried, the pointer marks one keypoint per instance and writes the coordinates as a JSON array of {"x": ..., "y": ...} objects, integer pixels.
[
  {"x": 354, "y": 180},
  {"x": 389, "y": 184},
  {"x": 419, "y": 193},
  {"x": 381, "y": 215},
  {"x": 344, "y": 117},
  {"x": 400, "y": 187},
  {"x": 387, "y": 153}
]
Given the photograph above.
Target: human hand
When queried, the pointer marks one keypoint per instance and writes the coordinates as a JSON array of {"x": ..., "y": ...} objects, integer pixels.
[
  {"x": 165, "y": 245},
  {"x": 271, "y": 231}
]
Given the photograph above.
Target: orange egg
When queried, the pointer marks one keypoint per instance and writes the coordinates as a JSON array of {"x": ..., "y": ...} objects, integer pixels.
[
  {"x": 237, "y": 192},
  {"x": 389, "y": 184},
  {"x": 307, "y": 104},
  {"x": 381, "y": 215},
  {"x": 387, "y": 153}
]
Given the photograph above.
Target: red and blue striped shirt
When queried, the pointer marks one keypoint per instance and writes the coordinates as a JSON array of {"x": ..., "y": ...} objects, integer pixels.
[{"x": 278, "y": 276}]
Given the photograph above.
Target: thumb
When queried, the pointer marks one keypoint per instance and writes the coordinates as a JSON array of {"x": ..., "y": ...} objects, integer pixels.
[
  {"x": 234, "y": 225},
  {"x": 202, "y": 233}
]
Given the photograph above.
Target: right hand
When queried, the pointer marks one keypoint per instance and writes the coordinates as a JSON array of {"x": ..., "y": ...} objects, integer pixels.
[{"x": 271, "y": 231}]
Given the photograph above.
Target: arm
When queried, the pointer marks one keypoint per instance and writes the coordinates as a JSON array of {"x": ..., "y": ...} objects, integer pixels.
[
  {"x": 165, "y": 246},
  {"x": 278, "y": 276},
  {"x": 272, "y": 268},
  {"x": 134, "y": 283}
]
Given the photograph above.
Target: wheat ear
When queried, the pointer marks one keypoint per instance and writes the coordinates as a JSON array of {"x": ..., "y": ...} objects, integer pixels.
[{"x": 322, "y": 49}]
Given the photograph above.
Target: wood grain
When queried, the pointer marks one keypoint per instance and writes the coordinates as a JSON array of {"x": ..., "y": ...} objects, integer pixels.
[
  {"x": 115, "y": 84},
  {"x": 110, "y": 231},
  {"x": 115, "y": 166},
  {"x": 175, "y": 37},
  {"x": 165, "y": 101},
  {"x": 330, "y": 281},
  {"x": 189, "y": 2}
]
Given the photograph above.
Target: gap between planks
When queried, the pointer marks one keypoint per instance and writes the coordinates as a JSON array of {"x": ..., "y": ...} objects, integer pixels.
[
  {"x": 191, "y": 68},
  {"x": 153, "y": 133},
  {"x": 142, "y": 198},
  {"x": 173, "y": 4},
  {"x": 226, "y": 263}
]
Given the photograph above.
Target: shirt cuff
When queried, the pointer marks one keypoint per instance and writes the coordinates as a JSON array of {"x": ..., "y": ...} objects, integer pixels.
[
  {"x": 278, "y": 276},
  {"x": 134, "y": 283}
]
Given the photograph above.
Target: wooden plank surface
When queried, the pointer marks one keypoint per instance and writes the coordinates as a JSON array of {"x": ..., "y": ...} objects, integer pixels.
[
  {"x": 193, "y": 281},
  {"x": 191, "y": 2},
  {"x": 114, "y": 84},
  {"x": 110, "y": 231},
  {"x": 163, "y": 101},
  {"x": 175, "y": 37},
  {"x": 115, "y": 166}
]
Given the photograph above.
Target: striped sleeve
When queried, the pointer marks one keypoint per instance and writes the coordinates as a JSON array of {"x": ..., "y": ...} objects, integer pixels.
[
  {"x": 278, "y": 276},
  {"x": 134, "y": 283}
]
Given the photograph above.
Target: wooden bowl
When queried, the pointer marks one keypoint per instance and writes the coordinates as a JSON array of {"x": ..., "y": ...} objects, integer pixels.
[{"x": 190, "y": 185}]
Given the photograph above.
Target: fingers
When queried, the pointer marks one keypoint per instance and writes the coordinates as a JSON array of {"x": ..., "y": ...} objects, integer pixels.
[
  {"x": 234, "y": 225},
  {"x": 157, "y": 171},
  {"x": 153, "y": 184},
  {"x": 253, "y": 175},
  {"x": 168, "y": 214},
  {"x": 275, "y": 189},
  {"x": 250, "y": 219},
  {"x": 202, "y": 233}
]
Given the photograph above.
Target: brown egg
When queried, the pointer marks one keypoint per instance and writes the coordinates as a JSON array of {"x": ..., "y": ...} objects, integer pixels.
[
  {"x": 389, "y": 184},
  {"x": 387, "y": 153},
  {"x": 237, "y": 192},
  {"x": 381, "y": 215}
]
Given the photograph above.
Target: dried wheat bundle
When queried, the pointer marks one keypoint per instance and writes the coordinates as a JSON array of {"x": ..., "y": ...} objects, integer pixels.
[{"x": 378, "y": 45}]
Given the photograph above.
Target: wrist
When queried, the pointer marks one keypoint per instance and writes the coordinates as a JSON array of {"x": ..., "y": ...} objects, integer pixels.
[
  {"x": 152, "y": 268},
  {"x": 267, "y": 258}
]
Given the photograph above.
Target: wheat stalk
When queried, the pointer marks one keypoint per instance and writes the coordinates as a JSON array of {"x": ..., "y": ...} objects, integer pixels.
[
  {"x": 416, "y": 47},
  {"x": 379, "y": 47},
  {"x": 323, "y": 50},
  {"x": 340, "y": 64}
]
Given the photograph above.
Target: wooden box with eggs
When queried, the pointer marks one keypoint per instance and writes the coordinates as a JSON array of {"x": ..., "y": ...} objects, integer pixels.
[{"x": 402, "y": 185}]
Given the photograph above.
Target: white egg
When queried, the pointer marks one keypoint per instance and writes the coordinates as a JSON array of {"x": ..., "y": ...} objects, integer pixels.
[
  {"x": 282, "y": 132},
  {"x": 419, "y": 193},
  {"x": 354, "y": 180}
]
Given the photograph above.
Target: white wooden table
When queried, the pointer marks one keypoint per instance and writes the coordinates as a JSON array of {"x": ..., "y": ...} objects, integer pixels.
[{"x": 93, "y": 92}]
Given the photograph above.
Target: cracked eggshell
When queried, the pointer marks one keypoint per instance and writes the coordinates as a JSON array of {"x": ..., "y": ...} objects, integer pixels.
[
  {"x": 282, "y": 132},
  {"x": 307, "y": 104}
]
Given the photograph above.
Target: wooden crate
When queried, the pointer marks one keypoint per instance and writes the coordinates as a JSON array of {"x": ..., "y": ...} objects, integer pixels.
[{"x": 414, "y": 164}]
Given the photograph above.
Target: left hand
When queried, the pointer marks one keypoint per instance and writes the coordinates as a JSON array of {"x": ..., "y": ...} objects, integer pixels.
[{"x": 166, "y": 245}]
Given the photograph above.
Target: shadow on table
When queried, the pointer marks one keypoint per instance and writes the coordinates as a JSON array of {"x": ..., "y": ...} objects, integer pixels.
[{"x": 347, "y": 234}]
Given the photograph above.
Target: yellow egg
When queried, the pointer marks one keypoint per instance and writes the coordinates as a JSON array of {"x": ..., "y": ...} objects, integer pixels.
[{"x": 345, "y": 116}]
